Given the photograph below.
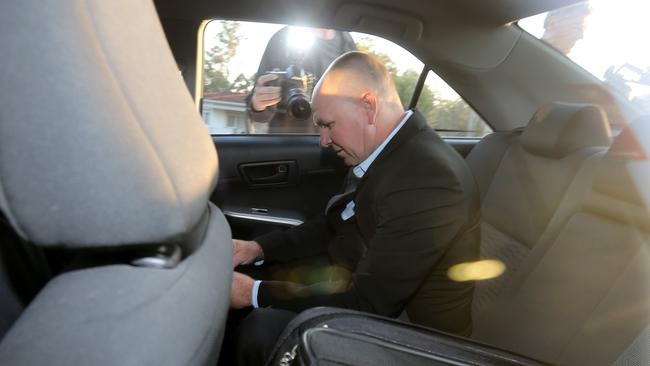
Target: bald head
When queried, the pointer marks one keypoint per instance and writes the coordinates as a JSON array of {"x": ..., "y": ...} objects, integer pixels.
[
  {"x": 356, "y": 105},
  {"x": 356, "y": 72}
]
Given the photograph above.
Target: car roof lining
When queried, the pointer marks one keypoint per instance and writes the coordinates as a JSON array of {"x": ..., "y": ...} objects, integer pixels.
[
  {"x": 464, "y": 32},
  {"x": 475, "y": 12}
]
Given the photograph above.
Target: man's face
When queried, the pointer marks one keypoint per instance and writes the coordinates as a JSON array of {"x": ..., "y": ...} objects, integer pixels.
[{"x": 344, "y": 126}]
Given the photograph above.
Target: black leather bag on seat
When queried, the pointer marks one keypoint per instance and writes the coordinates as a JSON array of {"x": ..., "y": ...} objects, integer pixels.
[{"x": 330, "y": 336}]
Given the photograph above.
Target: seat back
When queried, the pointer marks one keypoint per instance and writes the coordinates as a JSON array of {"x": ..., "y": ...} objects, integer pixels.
[
  {"x": 523, "y": 176},
  {"x": 104, "y": 159},
  {"x": 10, "y": 303},
  {"x": 582, "y": 297},
  {"x": 24, "y": 270}
]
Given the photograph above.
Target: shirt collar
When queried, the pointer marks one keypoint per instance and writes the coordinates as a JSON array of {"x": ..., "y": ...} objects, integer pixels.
[{"x": 362, "y": 168}]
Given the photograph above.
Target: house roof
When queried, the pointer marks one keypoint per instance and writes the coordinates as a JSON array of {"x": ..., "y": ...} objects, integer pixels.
[{"x": 226, "y": 96}]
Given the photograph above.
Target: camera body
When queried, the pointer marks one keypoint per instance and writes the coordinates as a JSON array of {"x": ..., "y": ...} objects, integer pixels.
[{"x": 294, "y": 83}]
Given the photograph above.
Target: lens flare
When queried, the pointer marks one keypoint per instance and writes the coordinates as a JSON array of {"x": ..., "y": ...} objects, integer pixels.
[
  {"x": 476, "y": 271},
  {"x": 300, "y": 38}
]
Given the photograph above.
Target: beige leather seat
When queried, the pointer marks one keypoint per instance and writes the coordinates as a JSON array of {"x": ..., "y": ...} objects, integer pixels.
[
  {"x": 522, "y": 176},
  {"x": 582, "y": 296}
]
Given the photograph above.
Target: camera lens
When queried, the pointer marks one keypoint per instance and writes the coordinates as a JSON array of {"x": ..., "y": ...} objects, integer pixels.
[
  {"x": 299, "y": 109},
  {"x": 298, "y": 105}
]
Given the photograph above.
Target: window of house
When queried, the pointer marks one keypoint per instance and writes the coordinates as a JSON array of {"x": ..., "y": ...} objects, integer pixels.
[
  {"x": 232, "y": 121},
  {"x": 236, "y": 52},
  {"x": 606, "y": 38}
]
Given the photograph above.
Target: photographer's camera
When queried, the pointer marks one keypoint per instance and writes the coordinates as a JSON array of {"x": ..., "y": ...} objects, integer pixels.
[{"x": 294, "y": 83}]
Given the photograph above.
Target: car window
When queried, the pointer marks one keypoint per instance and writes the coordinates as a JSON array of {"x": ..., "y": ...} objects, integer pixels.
[
  {"x": 236, "y": 53},
  {"x": 604, "y": 37},
  {"x": 447, "y": 112}
]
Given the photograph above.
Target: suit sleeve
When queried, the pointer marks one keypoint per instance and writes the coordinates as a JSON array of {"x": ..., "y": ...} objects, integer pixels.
[
  {"x": 414, "y": 229},
  {"x": 308, "y": 239}
]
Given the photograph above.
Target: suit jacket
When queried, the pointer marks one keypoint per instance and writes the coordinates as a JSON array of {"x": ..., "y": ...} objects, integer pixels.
[{"x": 416, "y": 215}]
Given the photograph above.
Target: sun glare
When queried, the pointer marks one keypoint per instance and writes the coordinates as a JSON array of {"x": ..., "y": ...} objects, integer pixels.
[
  {"x": 476, "y": 271},
  {"x": 301, "y": 38}
]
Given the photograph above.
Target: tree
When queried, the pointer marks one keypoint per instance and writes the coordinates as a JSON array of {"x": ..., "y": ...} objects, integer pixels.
[
  {"x": 241, "y": 84},
  {"x": 440, "y": 113},
  {"x": 405, "y": 82},
  {"x": 215, "y": 67}
]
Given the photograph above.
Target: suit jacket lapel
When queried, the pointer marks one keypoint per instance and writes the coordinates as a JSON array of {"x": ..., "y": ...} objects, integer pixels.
[
  {"x": 349, "y": 190},
  {"x": 412, "y": 127}
]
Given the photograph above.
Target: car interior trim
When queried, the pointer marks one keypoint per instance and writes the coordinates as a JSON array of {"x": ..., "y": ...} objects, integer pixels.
[{"x": 263, "y": 218}]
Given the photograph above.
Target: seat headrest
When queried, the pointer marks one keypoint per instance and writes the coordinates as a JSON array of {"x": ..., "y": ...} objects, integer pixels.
[
  {"x": 559, "y": 129},
  {"x": 623, "y": 171},
  {"x": 100, "y": 143}
]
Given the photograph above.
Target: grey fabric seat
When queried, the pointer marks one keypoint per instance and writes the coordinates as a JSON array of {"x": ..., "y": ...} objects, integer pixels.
[
  {"x": 582, "y": 296},
  {"x": 104, "y": 158},
  {"x": 522, "y": 176}
]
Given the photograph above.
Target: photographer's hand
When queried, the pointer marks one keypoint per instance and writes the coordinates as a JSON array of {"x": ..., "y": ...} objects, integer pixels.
[{"x": 265, "y": 96}]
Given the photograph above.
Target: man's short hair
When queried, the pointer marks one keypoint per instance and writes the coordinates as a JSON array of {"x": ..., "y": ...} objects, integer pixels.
[{"x": 367, "y": 67}]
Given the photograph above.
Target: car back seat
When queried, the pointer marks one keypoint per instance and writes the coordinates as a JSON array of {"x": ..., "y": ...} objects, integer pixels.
[
  {"x": 523, "y": 175},
  {"x": 582, "y": 296}
]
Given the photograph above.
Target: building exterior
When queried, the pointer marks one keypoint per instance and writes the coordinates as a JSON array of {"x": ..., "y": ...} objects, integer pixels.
[{"x": 225, "y": 113}]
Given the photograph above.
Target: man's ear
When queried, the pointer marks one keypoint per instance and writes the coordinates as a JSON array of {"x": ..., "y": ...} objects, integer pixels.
[{"x": 369, "y": 102}]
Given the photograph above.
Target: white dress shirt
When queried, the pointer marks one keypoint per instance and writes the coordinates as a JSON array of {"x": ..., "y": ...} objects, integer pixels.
[{"x": 360, "y": 170}]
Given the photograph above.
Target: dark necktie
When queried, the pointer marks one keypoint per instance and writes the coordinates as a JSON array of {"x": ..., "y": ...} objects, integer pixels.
[{"x": 351, "y": 182}]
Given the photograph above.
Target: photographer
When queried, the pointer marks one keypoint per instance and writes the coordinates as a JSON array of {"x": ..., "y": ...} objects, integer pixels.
[{"x": 310, "y": 53}]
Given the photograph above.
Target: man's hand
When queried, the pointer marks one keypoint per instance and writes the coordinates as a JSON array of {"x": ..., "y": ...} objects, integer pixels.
[
  {"x": 265, "y": 96},
  {"x": 241, "y": 291},
  {"x": 245, "y": 252}
]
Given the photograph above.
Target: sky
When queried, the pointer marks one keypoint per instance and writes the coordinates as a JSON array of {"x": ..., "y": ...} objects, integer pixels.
[{"x": 616, "y": 32}]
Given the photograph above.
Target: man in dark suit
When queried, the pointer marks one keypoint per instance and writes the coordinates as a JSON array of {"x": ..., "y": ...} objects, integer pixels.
[{"x": 389, "y": 242}]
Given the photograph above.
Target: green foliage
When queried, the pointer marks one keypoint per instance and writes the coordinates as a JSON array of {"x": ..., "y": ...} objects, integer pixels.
[
  {"x": 241, "y": 84},
  {"x": 405, "y": 84},
  {"x": 215, "y": 66},
  {"x": 441, "y": 114}
]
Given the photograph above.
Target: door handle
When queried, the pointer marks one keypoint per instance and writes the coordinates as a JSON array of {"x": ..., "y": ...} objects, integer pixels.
[
  {"x": 279, "y": 174},
  {"x": 268, "y": 174}
]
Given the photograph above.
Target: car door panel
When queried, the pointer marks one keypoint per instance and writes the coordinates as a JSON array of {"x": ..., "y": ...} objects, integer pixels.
[
  {"x": 274, "y": 181},
  {"x": 278, "y": 181}
]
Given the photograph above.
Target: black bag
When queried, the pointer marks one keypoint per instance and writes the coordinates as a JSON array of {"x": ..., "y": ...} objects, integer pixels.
[{"x": 331, "y": 336}]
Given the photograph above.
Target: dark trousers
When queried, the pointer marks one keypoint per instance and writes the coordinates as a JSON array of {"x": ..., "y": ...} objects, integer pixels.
[
  {"x": 257, "y": 333},
  {"x": 250, "y": 333}
]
